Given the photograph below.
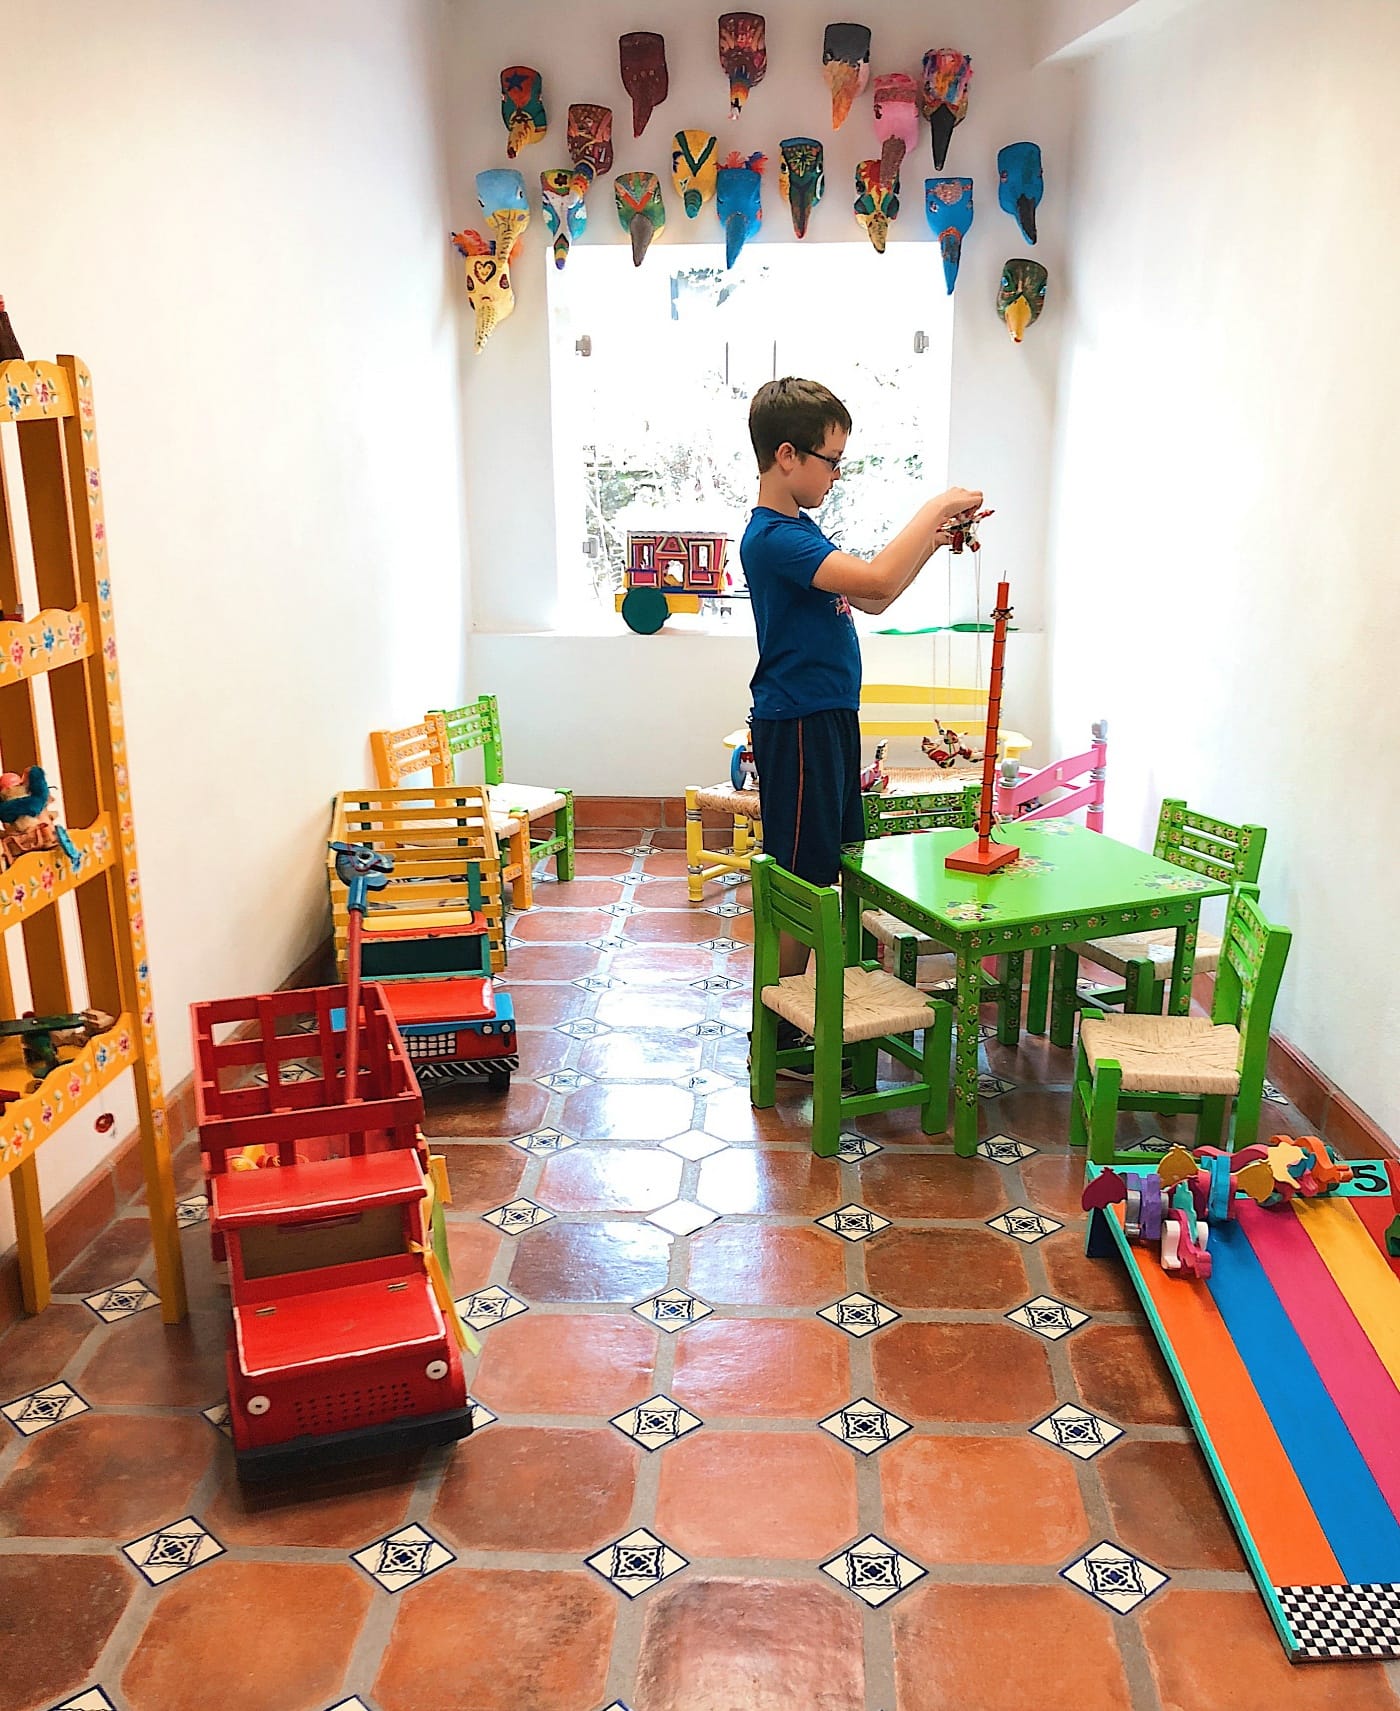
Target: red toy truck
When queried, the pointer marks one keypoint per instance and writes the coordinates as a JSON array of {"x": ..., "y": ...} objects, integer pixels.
[{"x": 342, "y": 1344}]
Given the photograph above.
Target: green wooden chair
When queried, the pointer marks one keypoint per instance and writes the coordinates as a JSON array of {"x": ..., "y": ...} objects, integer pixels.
[
  {"x": 1186, "y": 839},
  {"x": 862, "y": 1011},
  {"x": 515, "y": 807},
  {"x": 1135, "y": 1062},
  {"x": 916, "y": 960}
]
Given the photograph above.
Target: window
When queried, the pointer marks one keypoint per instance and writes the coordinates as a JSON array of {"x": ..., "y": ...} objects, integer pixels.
[{"x": 650, "y": 428}]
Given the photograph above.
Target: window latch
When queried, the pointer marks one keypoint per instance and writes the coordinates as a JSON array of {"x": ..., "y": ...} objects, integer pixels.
[{"x": 920, "y": 343}]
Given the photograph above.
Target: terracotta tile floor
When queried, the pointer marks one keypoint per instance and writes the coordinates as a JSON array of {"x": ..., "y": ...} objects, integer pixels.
[{"x": 756, "y": 1452}]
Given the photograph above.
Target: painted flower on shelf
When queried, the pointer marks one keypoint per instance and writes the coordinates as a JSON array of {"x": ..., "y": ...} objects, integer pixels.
[
  {"x": 17, "y": 651},
  {"x": 46, "y": 1114},
  {"x": 101, "y": 1057},
  {"x": 47, "y": 879},
  {"x": 143, "y": 970},
  {"x": 124, "y": 1041},
  {"x": 18, "y": 895},
  {"x": 75, "y": 637},
  {"x": 100, "y": 843},
  {"x": 12, "y": 396},
  {"x": 85, "y": 409},
  {"x": 75, "y": 1087},
  {"x": 49, "y": 639},
  {"x": 94, "y": 481},
  {"x": 99, "y": 531},
  {"x": 104, "y": 590},
  {"x": 45, "y": 391},
  {"x": 138, "y": 923},
  {"x": 109, "y": 648}
]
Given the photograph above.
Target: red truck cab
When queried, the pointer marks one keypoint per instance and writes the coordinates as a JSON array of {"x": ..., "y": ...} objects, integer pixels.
[{"x": 339, "y": 1347}]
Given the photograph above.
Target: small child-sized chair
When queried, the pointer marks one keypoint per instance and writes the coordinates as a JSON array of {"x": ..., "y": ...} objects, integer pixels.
[
  {"x": 1193, "y": 841},
  {"x": 740, "y": 806},
  {"x": 516, "y": 807},
  {"x": 862, "y": 1008},
  {"x": 1186, "y": 1063}
]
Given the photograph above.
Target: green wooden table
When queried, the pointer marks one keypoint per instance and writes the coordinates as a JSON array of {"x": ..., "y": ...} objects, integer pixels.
[{"x": 1068, "y": 884}]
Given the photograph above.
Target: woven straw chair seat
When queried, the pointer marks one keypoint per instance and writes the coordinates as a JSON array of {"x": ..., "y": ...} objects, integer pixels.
[
  {"x": 887, "y": 928},
  {"x": 512, "y": 803},
  {"x": 725, "y": 799},
  {"x": 875, "y": 1003},
  {"x": 914, "y": 780},
  {"x": 1166, "y": 1054},
  {"x": 1159, "y": 945}
]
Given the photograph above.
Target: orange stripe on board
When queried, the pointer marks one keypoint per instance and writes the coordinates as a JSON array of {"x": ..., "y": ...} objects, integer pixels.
[{"x": 1286, "y": 1533}]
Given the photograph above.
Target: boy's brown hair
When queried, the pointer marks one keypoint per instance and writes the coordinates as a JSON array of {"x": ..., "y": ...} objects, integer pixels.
[{"x": 793, "y": 412}]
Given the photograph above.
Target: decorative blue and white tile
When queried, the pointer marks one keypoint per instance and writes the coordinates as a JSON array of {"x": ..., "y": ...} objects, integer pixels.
[
  {"x": 1077, "y": 1430},
  {"x": 710, "y": 1030},
  {"x": 403, "y": 1558},
  {"x": 1025, "y": 1225},
  {"x": 705, "y": 1081},
  {"x": 608, "y": 944},
  {"x": 597, "y": 982},
  {"x": 291, "y": 1071},
  {"x": 482, "y": 1417},
  {"x": 355, "y": 1703},
  {"x": 582, "y": 1028},
  {"x": 723, "y": 945},
  {"x": 634, "y": 878},
  {"x": 673, "y": 1309},
  {"x": 865, "y": 1426},
  {"x": 682, "y": 1217},
  {"x": 1158, "y": 1144},
  {"x": 655, "y": 1423},
  {"x": 1093, "y": 988},
  {"x": 854, "y": 1147},
  {"x": 490, "y": 1306},
  {"x": 716, "y": 983},
  {"x": 874, "y": 1571},
  {"x": 93, "y": 1700},
  {"x": 1115, "y": 1577},
  {"x": 696, "y": 1144},
  {"x": 1001, "y": 1149},
  {"x": 122, "y": 1301},
  {"x": 193, "y": 1210},
  {"x": 172, "y": 1549},
  {"x": 852, "y": 1223},
  {"x": 638, "y": 850},
  {"x": 43, "y": 1408},
  {"x": 1274, "y": 1095},
  {"x": 543, "y": 1141},
  {"x": 217, "y": 1416},
  {"x": 617, "y": 1705},
  {"x": 564, "y": 1080},
  {"x": 1048, "y": 1318},
  {"x": 621, "y": 910},
  {"x": 858, "y": 1315},
  {"x": 728, "y": 911},
  {"x": 517, "y": 1216},
  {"x": 636, "y": 1563},
  {"x": 993, "y": 1086},
  {"x": 514, "y": 944}
]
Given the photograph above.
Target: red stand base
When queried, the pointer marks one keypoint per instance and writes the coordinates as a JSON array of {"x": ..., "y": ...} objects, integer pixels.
[{"x": 978, "y": 857}]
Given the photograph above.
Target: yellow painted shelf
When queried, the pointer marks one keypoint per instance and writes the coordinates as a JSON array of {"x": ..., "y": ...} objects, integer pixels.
[{"x": 27, "y": 1123}]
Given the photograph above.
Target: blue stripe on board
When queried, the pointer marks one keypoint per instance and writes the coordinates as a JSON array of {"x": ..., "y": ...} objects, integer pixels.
[{"x": 1360, "y": 1528}]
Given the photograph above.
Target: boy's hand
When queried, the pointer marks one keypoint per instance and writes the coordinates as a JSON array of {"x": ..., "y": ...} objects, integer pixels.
[{"x": 958, "y": 503}]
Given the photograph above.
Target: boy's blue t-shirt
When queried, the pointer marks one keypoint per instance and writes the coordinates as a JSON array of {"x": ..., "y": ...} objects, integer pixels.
[{"x": 808, "y": 651}]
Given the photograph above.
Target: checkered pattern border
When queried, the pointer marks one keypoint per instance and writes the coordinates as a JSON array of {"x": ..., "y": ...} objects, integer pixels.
[{"x": 1343, "y": 1621}]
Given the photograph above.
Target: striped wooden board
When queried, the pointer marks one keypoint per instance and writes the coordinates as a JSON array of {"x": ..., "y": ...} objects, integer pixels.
[{"x": 1288, "y": 1362}]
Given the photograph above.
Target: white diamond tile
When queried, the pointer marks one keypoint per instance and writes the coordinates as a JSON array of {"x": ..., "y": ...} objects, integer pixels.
[
  {"x": 1048, "y": 1318},
  {"x": 1077, "y": 1431},
  {"x": 682, "y": 1217},
  {"x": 400, "y": 1559},
  {"x": 43, "y": 1408},
  {"x": 695, "y": 1145},
  {"x": 489, "y": 1306},
  {"x": 1002, "y": 1149},
  {"x": 656, "y": 1422},
  {"x": 194, "y": 1210},
  {"x": 122, "y": 1301},
  {"x": 858, "y": 1315},
  {"x": 217, "y": 1416},
  {"x": 543, "y": 1141},
  {"x": 673, "y": 1309},
  {"x": 173, "y": 1549},
  {"x": 865, "y": 1426},
  {"x": 564, "y": 1080},
  {"x": 517, "y": 1216},
  {"x": 853, "y": 1223},
  {"x": 1115, "y": 1577},
  {"x": 636, "y": 1563},
  {"x": 1024, "y": 1225},
  {"x": 873, "y": 1570},
  {"x": 854, "y": 1147}
]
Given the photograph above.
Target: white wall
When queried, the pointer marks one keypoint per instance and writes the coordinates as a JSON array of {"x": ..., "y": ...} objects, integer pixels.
[
  {"x": 564, "y": 719},
  {"x": 1226, "y": 511},
  {"x": 235, "y": 212}
]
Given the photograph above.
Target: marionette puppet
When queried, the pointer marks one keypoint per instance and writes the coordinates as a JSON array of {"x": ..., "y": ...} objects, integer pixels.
[
  {"x": 640, "y": 210},
  {"x": 1022, "y": 295},
  {"x": 801, "y": 178},
  {"x": 565, "y": 214},
  {"x": 743, "y": 55},
  {"x": 694, "y": 163},
  {"x": 739, "y": 201},
  {"x": 845, "y": 66},
  {"x": 947, "y": 79},
  {"x": 896, "y": 120},
  {"x": 522, "y": 107},
  {"x": 1021, "y": 184},
  {"x": 877, "y": 201},
  {"x": 948, "y": 209},
  {"x": 642, "y": 56}
]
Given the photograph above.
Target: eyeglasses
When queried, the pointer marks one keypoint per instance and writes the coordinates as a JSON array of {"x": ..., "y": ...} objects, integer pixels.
[{"x": 833, "y": 463}]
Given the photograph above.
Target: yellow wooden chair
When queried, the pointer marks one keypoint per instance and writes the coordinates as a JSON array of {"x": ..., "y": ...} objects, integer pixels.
[
  {"x": 432, "y": 832},
  {"x": 909, "y": 710}
]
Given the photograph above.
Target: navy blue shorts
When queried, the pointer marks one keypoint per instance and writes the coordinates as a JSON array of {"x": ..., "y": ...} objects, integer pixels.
[{"x": 809, "y": 780}]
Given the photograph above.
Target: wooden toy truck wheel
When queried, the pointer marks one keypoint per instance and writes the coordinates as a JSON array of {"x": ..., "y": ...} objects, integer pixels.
[
  {"x": 498, "y": 1081},
  {"x": 644, "y": 610}
]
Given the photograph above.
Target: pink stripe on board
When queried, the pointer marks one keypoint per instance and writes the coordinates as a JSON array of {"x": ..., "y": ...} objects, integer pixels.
[{"x": 1351, "y": 1371}]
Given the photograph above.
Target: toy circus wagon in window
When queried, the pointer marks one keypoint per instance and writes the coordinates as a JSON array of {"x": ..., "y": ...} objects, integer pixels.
[{"x": 668, "y": 573}]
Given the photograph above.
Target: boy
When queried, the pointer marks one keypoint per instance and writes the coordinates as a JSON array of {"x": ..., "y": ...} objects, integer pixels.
[{"x": 806, "y": 690}]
